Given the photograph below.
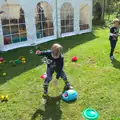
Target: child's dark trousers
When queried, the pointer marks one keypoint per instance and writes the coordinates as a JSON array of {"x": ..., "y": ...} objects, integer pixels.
[
  {"x": 50, "y": 72},
  {"x": 113, "y": 45}
]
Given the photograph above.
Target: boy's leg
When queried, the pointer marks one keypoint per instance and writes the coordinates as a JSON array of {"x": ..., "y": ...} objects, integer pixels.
[
  {"x": 47, "y": 80},
  {"x": 113, "y": 45},
  {"x": 64, "y": 77}
]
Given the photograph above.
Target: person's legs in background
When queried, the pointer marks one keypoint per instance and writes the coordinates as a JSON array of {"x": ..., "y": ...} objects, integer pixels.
[{"x": 113, "y": 45}]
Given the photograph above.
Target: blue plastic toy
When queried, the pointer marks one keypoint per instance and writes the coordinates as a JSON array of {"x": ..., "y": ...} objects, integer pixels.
[
  {"x": 69, "y": 95},
  {"x": 90, "y": 114}
]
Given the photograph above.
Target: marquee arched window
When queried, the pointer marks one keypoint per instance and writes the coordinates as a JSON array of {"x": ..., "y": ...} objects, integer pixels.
[
  {"x": 84, "y": 17},
  {"x": 44, "y": 20},
  {"x": 13, "y": 24},
  {"x": 67, "y": 18}
]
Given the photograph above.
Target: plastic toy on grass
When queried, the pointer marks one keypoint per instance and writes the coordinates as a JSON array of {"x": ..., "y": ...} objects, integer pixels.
[
  {"x": 23, "y": 62},
  {"x": 90, "y": 114},
  {"x": 31, "y": 51},
  {"x": 116, "y": 52},
  {"x": 1, "y": 59},
  {"x": 22, "y": 59},
  {"x": 74, "y": 59},
  {"x": 4, "y": 98},
  {"x": 4, "y": 74},
  {"x": 17, "y": 61},
  {"x": 69, "y": 95},
  {"x": 43, "y": 76}
]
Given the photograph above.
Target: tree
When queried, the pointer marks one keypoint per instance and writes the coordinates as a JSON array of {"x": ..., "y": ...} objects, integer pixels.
[
  {"x": 102, "y": 2},
  {"x": 97, "y": 11},
  {"x": 113, "y": 7},
  {"x": 107, "y": 6}
]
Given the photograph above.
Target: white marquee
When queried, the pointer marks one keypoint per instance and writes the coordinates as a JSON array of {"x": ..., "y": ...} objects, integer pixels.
[{"x": 31, "y": 22}]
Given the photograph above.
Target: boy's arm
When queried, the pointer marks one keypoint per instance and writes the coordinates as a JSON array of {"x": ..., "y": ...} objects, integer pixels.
[
  {"x": 114, "y": 35},
  {"x": 112, "y": 31},
  {"x": 44, "y": 53}
]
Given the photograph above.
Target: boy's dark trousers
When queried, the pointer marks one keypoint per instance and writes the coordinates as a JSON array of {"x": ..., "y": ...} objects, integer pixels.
[
  {"x": 113, "y": 45},
  {"x": 50, "y": 71}
]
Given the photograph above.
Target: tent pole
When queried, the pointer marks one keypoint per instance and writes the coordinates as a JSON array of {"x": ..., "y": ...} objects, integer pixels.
[{"x": 56, "y": 20}]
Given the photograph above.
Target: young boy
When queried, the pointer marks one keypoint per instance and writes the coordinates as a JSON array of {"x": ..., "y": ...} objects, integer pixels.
[
  {"x": 56, "y": 65},
  {"x": 113, "y": 37}
]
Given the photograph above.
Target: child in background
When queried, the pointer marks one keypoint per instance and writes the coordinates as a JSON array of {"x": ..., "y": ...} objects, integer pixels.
[
  {"x": 56, "y": 65},
  {"x": 113, "y": 37}
]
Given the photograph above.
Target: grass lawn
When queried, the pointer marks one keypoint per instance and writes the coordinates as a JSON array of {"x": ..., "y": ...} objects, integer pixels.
[{"x": 95, "y": 78}]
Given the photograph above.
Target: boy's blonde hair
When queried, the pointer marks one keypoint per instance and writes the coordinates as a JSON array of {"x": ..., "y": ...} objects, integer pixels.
[
  {"x": 116, "y": 20},
  {"x": 56, "y": 49}
]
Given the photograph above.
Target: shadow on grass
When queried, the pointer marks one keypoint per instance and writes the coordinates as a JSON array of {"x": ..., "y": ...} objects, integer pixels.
[
  {"x": 52, "y": 110},
  {"x": 116, "y": 64},
  {"x": 31, "y": 59}
]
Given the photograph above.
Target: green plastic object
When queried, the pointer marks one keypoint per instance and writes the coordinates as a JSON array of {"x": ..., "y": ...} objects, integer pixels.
[
  {"x": 17, "y": 61},
  {"x": 90, "y": 114}
]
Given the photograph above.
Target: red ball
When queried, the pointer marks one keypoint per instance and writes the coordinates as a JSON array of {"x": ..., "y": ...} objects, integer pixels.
[
  {"x": 74, "y": 59},
  {"x": 1, "y": 59}
]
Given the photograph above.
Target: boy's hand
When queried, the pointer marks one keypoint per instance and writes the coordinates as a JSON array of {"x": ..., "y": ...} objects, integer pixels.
[
  {"x": 114, "y": 38},
  {"x": 114, "y": 35},
  {"x": 38, "y": 52}
]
